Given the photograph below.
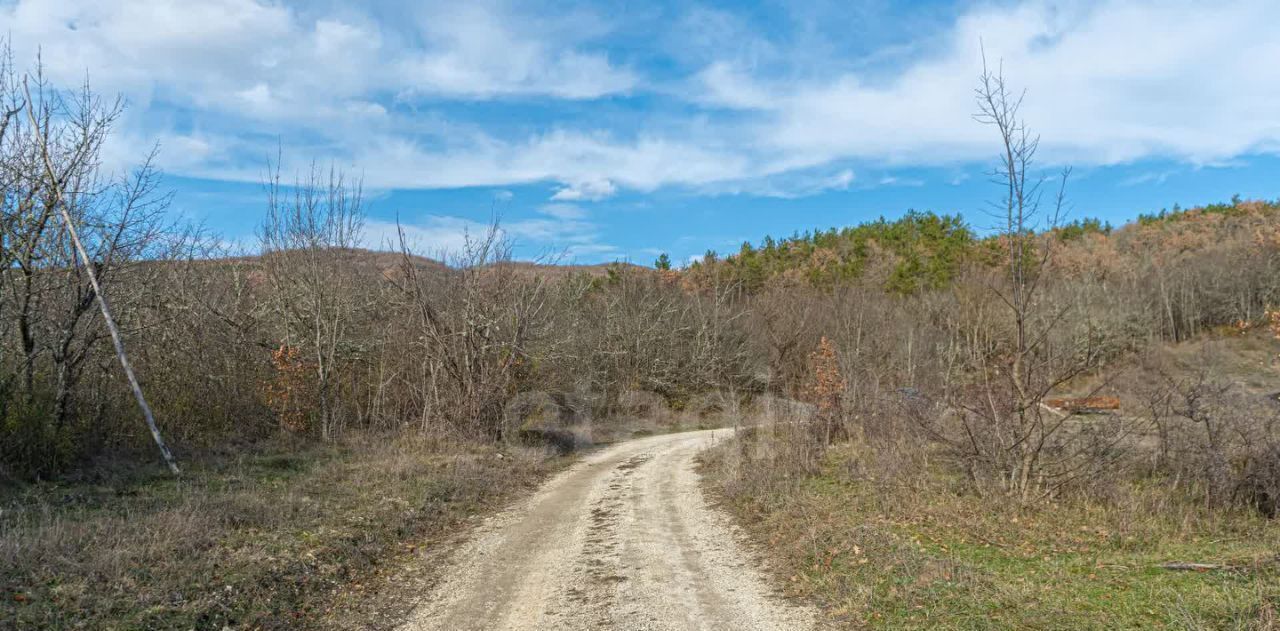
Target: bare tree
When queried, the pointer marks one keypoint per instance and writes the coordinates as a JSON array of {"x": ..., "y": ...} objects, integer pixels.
[
  {"x": 1004, "y": 427},
  {"x": 67, "y": 230},
  {"x": 310, "y": 228},
  {"x": 473, "y": 322}
]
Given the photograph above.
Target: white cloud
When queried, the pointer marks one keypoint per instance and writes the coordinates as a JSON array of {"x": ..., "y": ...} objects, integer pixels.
[
  {"x": 327, "y": 86},
  {"x": 588, "y": 191},
  {"x": 723, "y": 85},
  {"x": 791, "y": 184},
  {"x": 592, "y": 250},
  {"x": 1107, "y": 83},
  {"x": 643, "y": 164},
  {"x": 840, "y": 180},
  {"x": 893, "y": 180},
  {"x": 480, "y": 51},
  {"x": 1149, "y": 177}
]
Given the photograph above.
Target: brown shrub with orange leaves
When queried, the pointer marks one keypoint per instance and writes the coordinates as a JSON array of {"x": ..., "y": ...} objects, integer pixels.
[
  {"x": 1084, "y": 404},
  {"x": 288, "y": 393},
  {"x": 824, "y": 388}
]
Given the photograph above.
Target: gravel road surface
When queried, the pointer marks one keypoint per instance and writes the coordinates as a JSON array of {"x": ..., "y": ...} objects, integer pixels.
[{"x": 622, "y": 540}]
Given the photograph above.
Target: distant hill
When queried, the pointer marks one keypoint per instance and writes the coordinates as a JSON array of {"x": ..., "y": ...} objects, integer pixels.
[
  {"x": 387, "y": 264},
  {"x": 597, "y": 270},
  {"x": 924, "y": 250},
  {"x": 920, "y": 250}
]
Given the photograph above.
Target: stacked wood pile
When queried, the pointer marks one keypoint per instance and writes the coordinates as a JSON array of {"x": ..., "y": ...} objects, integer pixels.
[{"x": 1085, "y": 405}]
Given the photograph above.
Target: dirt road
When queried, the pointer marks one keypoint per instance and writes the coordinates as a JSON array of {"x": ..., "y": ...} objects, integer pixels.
[{"x": 623, "y": 540}]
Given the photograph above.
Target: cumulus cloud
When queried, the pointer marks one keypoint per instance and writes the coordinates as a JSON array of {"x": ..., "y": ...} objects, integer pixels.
[{"x": 480, "y": 50}]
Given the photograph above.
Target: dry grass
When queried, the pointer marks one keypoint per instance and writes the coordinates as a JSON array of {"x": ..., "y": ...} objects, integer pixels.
[
  {"x": 882, "y": 545},
  {"x": 266, "y": 539}
]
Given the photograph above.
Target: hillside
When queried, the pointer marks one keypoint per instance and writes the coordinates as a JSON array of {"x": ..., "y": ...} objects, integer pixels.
[
  {"x": 922, "y": 250},
  {"x": 368, "y": 263}
]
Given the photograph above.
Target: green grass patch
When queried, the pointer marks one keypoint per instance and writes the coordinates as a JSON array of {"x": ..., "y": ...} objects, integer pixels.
[{"x": 921, "y": 555}]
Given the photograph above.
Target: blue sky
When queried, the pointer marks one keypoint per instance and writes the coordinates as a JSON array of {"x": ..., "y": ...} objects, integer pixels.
[{"x": 618, "y": 130}]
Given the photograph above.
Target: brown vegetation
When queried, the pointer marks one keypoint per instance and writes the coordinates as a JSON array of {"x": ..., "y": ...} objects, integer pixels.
[
  {"x": 281, "y": 535},
  {"x": 1084, "y": 404}
]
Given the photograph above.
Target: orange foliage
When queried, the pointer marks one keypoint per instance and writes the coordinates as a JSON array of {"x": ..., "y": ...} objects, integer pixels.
[
  {"x": 1273, "y": 320},
  {"x": 1085, "y": 404},
  {"x": 288, "y": 393},
  {"x": 826, "y": 384}
]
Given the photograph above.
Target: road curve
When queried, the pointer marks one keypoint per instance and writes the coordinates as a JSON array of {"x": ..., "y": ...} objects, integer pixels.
[{"x": 622, "y": 540}]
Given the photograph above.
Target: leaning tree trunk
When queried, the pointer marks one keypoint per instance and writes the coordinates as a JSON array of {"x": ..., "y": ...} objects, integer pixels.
[{"x": 116, "y": 339}]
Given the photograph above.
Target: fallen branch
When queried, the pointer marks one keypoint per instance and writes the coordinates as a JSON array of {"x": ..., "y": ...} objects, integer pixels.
[{"x": 1191, "y": 567}]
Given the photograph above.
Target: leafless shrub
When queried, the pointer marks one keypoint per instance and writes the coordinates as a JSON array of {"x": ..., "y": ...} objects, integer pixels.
[
  {"x": 777, "y": 448},
  {"x": 999, "y": 425},
  {"x": 641, "y": 404},
  {"x": 313, "y": 301},
  {"x": 72, "y": 233},
  {"x": 1217, "y": 442},
  {"x": 771, "y": 410},
  {"x": 472, "y": 326}
]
